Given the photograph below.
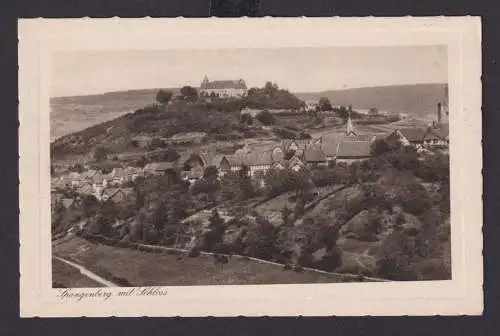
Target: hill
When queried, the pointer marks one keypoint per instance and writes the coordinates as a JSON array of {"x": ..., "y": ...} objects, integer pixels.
[
  {"x": 418, "y": 100},
  {"x": 73, "y": 114}
]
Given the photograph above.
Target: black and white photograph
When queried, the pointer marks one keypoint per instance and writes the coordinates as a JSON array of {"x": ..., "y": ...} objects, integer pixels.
[
  {"x": 253, "y": 165},
  {"x": 250, "y": 166}
]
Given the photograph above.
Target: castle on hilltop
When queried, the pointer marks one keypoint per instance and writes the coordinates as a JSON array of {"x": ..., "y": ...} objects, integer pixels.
[{"x": 223, "y": 88}]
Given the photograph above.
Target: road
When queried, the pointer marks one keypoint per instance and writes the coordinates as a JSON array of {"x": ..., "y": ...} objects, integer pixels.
[{"x": 88, "y": 273}]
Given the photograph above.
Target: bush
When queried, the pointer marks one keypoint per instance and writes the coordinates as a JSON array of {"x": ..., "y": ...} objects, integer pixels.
[{"x": 266, "y": 117}]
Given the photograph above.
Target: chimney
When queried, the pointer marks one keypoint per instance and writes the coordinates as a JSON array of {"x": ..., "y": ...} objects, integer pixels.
[{"x": 439, "y": 113}]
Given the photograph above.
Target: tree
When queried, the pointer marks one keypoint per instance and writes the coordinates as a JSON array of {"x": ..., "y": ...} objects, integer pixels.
[
  {"x": 164, "y": 96},
  {"x": 373, "y": 111},
  {"x": 100, "y": 153},
  {"x": 246, "y": 119},
  {"x": 285, "y": 215},
  {"x": 379, "y": 147},
  {"x": 324, "y": 104},
  {"x": 342, "y": 112},
  {"x": 210, "y": 172},
  {"x": 216, "y": 227},
  {"x": 266, "y": 117},
  {"x": 170, "y": 155},
  {"x": 247, "y": 189},
  {"x": 189, "y": 93}
]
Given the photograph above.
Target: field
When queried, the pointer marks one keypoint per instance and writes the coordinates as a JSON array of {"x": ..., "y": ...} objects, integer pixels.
[
  {"x": 69, "y": 277},
  {"x": 72, "y": 114},
  {"x": 158, "y": 269}
]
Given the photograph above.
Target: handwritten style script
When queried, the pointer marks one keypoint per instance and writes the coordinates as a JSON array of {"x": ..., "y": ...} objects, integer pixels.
[{"x": 105, "y": 294}]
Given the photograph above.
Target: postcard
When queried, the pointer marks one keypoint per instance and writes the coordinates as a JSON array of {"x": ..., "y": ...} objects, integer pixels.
[{"x": 256, "y": 167}]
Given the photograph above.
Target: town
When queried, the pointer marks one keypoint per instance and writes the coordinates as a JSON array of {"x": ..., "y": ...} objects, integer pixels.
[{"x": 197, "y": 188}]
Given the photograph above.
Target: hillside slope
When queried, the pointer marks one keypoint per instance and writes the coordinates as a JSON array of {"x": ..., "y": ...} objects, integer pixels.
[
  {"x": 73, "y": 114},
  {"x": 418, "y": 100}
]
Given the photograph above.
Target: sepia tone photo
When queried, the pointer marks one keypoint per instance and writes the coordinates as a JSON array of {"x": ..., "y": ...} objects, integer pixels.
[
  {"x": 250, "y": 166},
  {"x": 252, "y": 170}
]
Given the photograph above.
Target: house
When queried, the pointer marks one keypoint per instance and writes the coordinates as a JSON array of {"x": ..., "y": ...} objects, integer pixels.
[
  {"x": 118, "y": 176},
  {"x": 330, "y": 145},
  {"x": 163, "y": 168},
  {"x": 350, "y": 151},
  {"x": 252, "y": 112},
  {"x": 411, "y": 136},
  {"x": 150, "y": 168},
  {"x": 86, "y": 188},
  {"x": 117, "y": 195},
  {"x": 292, "y": 145},
  {"x": 296, "y": 164},
  {"x": 314, "y": 156},
  {"x": 257, "y": 160},
  {"x": 142, "y": 141},
  {"x": 70, "y": 203},
  {"x": 223, "y": 88},
  {"x": 74, "y": 179},
  {"x": 437, "y": 137},
  {"x": 55, "y": 198},
  {"x": 193, "y": 175}
]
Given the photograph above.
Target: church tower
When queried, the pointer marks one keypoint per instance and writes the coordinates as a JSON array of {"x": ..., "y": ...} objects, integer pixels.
[{"x": 350, "y": 127}]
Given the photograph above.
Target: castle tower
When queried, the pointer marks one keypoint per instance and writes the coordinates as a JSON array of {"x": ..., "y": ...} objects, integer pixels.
[
  {"x": 205, "y": 82},
  {"x": 439, "y": 112}
]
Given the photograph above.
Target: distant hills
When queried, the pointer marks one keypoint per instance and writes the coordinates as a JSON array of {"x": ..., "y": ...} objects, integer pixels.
[{"x": 418, "y": 100}]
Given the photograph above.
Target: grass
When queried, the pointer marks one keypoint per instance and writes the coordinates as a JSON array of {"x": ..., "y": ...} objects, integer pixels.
[
  {"x": 69, "y": 277},
  {"x": 158, "y": 269}
]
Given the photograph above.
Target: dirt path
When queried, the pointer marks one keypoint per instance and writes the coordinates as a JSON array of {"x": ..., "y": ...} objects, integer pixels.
[{"x": 88, "y": 273}]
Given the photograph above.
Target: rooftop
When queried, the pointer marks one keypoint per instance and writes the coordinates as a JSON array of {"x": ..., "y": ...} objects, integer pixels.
[
  {"x": 348, "y": 149},
  {"x": 224, "y": 84}
]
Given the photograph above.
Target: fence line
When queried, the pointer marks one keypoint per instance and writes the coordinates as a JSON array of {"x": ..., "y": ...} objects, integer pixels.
[{"x": 159, "y": 249}]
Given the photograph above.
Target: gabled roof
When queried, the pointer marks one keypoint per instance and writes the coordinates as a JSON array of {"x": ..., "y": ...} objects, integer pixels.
[
  {"x": 224, "y": 84},
  {"x": 86, "y": 188},
  {"x": 74, "y": 175},
  {"x": 256, "y": 157},
  {"x": 67, "y": 202},
  {"x": 216, "y": 160},
  {"x": 349, "y": 149},
  {"x": 442, "y": 131},
  {"x": 118, "y": 172},
  {"x": 162, "y": 166},
  {"x": 111, "y": 191},
  {"x": 413, "y": 134},
  {"x": 330, "y": 147},
  {"x": 314, "y": 154},
  {"x": 183, "y": 158},
  {"x": 362, "y": 137},
  {"x": 151, "y": 166}
]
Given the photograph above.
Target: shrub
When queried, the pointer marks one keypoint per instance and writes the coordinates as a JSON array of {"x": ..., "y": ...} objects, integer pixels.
[
  {"x": 164, "y": 96},
  {"x": 266, "y": 117}
]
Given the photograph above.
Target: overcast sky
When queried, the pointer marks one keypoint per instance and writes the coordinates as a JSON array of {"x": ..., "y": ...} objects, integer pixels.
[{"x": 296, "y": 69}]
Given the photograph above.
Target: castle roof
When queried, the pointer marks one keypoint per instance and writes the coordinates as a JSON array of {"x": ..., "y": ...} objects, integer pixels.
[{"x": 224, "y": 84}]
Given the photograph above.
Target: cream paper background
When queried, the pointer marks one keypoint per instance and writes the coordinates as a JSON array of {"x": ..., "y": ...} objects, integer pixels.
[{"x": 462, "y": 295}]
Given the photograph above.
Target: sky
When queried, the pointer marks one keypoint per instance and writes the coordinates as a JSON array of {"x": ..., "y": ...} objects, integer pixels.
[{"x": 295, "y": 69}]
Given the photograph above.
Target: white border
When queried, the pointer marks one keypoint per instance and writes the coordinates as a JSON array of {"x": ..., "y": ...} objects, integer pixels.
[{"x": 462, "y": 295}]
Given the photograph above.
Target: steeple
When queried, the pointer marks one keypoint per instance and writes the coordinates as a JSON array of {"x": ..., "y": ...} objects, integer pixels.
[{"x": 350, "y": 127}]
